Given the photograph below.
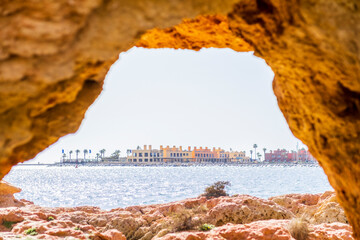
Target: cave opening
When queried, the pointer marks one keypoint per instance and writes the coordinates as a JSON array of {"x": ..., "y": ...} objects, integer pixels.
[{"x": 209, "y": 98}]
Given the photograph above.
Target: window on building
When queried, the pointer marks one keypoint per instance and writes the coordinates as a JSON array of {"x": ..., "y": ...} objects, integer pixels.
[
  {"x": 134, "y": 160},
  {"x": 146, "y": 160},
  {"x": 135, "y": 155},
  {"x": 140, "y": 154},
  {"x": 146, "y": 154}
]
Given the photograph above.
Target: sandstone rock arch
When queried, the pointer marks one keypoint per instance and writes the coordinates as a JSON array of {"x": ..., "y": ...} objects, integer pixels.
[{"x": 54, "y": 56}]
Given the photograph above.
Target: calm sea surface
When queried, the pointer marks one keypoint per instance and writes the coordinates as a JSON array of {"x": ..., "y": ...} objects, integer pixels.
[{"x": 112, "y": 187}]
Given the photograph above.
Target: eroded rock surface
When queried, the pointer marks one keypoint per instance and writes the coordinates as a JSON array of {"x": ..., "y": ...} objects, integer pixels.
[
  {"x": 54, "y": 56},
  {"x": 7, "y": 198},
  {"x": 265, "y": 230},
  {"x": 156, "y": 221},
  {"x": 316, "y": 208}
]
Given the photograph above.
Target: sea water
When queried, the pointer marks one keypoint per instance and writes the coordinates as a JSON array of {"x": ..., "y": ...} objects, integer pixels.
[{"x": 113, "y": 187}]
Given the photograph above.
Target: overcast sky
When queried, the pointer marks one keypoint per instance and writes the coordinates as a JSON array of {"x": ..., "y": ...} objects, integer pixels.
[{"x": 210, "y": 98}]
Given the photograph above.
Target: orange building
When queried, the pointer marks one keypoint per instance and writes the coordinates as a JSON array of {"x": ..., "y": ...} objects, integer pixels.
[
  {"x": 175, "y": 154},
  {"x": 203, "y": 155},
  {"x": 179, "y": 155}
]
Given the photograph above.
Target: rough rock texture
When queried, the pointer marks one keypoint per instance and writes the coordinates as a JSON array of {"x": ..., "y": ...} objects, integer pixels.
[
  {"x": 156, "y": 221},
  {"x": 146, "y": 222},
  {"x": 7, "y": 198},
  {"x": 316, "y": 208},
  {"x": 54, "y": 56},
  {"x": 313, "y": 47},
  {"x": 200, "y": 32},
  {"x": 265, "y": 230},
  {"x": 244, "y": 209}
]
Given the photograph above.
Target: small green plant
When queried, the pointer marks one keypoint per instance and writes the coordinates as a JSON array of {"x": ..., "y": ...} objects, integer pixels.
[
  {"x": 216, "y": 190},
  {"x": 50, "y": 218},
  {"x": 206, "y": 227},
  {"x": 299, "y": 228},
  {"x": 8, "y": 224},
  {"x": 31, "y": 232},
  {"x": 77, "y": 228}
]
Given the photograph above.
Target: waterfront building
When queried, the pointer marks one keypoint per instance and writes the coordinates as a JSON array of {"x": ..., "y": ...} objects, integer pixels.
[
  {"x": 221, "y": 155},
  {"x": 203, "y": 155},
  {"x": 179, "y": 155},
  {"x": 175, "y": 154},
  {"x": 279, "y": 156},
  {"x": 237, "y": 156},
  {"x": 145, "y": 155},
  {"x": 284, "y": 156},
  {"x": 304, "y": 155}
]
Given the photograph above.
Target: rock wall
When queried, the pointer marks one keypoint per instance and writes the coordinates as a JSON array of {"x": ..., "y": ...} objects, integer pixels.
[
  {"x": 313, "y": 49},
  {"x": 248, "y": 217},
  {"x": 54, "y": 56}
]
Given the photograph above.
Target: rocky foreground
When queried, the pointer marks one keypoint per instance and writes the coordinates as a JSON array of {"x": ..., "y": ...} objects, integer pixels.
[{"x": 237, "y": 217}]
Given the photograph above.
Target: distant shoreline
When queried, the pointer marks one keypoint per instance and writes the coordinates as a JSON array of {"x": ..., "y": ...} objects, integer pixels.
[{"x": 171, "y": 164}]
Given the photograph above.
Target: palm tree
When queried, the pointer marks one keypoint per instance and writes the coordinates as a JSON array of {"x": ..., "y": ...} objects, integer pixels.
[
  {"x": 70, "y": 154},
  {"x": 64, "y": 156},
  {"x": 251, "y": 151},
  {"x": 259, "y": 156},
  {"x": 97, "y": 156},
  {"x": 77, "y": 155},
  {"x": 116, "y": 154},
  {"x": 85, "y": 152},
  {"x": 102, "y": 152},
  {"x": 255, "y": 146},
  {"x": 264, "y": 149}
]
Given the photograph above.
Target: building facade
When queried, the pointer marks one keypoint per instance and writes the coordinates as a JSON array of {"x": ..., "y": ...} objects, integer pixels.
[
  {"x": 179, "y": 155},
  {"x": 145, "y": 155},
  {"x": 285, "y": 156}
]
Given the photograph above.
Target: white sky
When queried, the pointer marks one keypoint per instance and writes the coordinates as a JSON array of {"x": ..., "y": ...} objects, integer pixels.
[{"x": 210, "y": 98}]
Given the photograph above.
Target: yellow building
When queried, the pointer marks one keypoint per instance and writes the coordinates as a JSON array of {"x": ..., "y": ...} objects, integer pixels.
[
  {"x": 237, "y": 156},
  {"x": 145, "y": 155},
  {"x": 175, "y": 154},
  {"x": 221, "y": 155},
  {"x": 179, "y": 155}
]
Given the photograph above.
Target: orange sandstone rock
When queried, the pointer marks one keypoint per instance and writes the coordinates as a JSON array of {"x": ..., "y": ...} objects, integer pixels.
[
  {"x": 244, "y": 209},
  {"x": 264, "y": 230},
  {"x": 200, "y": 32},
  {"x": 7, "y": 195},
  {"x": 262, "y": 218},
  {"x": 111, "y": 235}
]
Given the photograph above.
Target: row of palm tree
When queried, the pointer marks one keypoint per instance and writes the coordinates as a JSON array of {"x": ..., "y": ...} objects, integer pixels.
[
  {"x": 99, "y": 155},
  {"x": 255, "y": 146}
]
